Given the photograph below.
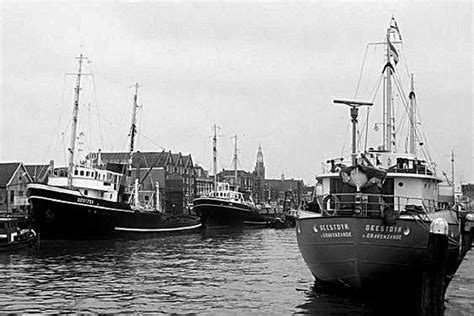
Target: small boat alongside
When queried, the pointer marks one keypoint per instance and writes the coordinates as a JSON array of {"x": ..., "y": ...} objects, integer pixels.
[
  {"x": 92, "y": 200},
  {"x": 12, "y": 237}
]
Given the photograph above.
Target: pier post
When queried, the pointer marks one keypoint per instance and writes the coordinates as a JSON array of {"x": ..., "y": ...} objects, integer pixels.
[{"x": 432, "y": 289}]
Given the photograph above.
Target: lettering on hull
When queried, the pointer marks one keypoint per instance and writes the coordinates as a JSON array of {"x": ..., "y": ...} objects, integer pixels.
[
  {"x": 382, "y": 232},
  {"x": 85, "y": 200},
  {"x": 333, "y": 230}
]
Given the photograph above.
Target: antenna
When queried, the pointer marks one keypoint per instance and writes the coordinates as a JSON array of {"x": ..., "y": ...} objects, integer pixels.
[{"x": 354, "y": 113}]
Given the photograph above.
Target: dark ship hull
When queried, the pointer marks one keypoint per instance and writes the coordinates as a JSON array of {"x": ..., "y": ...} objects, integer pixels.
[
  {"x": 217, "y": 213},
  {"x": 365, "y": 255},
  {"x": 64, "y": 213}
]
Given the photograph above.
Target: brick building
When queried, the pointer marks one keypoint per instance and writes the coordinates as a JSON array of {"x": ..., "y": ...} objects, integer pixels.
[
  {"x": 174, "y": 173},
  {"x": 204, "y": 183},
  {"x": 245, "y": 180},
  {"x": 279, "y": 190}
]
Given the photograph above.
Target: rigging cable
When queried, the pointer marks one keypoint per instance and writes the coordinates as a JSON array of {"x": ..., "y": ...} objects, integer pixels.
[
  {"x": 56, "y": 140},
  {"x": 65, "y": 149},
  {"x": 151, "y": 141},
  {"x": 372, "y": 95},
  {"x": 361, "y": 71},
  {"x": 98, "y": 111}
]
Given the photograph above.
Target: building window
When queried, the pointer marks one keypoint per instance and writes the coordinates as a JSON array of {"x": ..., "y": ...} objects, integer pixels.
[{"x": 12, "y": 196}]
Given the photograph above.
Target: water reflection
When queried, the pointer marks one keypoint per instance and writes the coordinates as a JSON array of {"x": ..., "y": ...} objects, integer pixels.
[{"x": 320, "y": 301}]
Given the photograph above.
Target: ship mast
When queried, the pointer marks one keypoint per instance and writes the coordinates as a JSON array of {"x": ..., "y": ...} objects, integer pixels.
[
  {"x": 452, "y": 171},
  {"x": 133, "y": 131},
  {"x": 214, "y": 156},
  {"x": 388, "y": 99},
  {"x": 389, "y": 70},
  {"x": 133, "y": 126},
  {"x": 412, "y": 116},
  {"x": 235, "y": 161},
  {"x": 75, "y": 113}
]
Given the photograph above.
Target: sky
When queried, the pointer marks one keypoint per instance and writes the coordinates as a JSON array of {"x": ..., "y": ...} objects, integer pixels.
[{"x": 264, "y": 71}]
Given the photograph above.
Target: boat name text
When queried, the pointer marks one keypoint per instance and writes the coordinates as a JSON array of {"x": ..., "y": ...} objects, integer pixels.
[
  {"x": 383, "y": 229},
  {"x": 385, "y": 232},
  {"x": 330, "y": 227},
  {"x": 84, "y": 200},
  {"x": 333, "y": 230}
]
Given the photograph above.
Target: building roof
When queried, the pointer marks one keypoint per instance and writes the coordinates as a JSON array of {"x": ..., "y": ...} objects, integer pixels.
[
  {"x": 240, "y": 173},
  {"x": 145, "y": 159},
  {"x": 37, "y": 172},
  {"x": 187, "y": 160},
  {"x": 6, "y": 172}
]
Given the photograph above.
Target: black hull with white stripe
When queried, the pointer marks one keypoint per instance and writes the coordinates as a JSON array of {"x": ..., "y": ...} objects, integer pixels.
[
  {"x": 64, "y": 213},
  {"x": 218, "y": 212}
]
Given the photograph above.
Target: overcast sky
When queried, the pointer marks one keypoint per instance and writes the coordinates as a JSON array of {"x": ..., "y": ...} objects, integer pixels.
[{"x": 266, "y": 72}]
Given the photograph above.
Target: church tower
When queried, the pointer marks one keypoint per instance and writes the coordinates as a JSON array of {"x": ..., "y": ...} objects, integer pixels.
[
  {"x": 260, "y": 176},
  {"x": 259, "y": 166}
]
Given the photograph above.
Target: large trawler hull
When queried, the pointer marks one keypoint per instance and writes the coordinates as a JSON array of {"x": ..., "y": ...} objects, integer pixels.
[
  {"x": 217, "y": 213},
  {"x": 365, "y": 255},
  {"x": 64, "y": 213}
]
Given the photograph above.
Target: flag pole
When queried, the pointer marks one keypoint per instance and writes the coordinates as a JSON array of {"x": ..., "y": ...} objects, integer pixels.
[{"x": 388, "y": 99}]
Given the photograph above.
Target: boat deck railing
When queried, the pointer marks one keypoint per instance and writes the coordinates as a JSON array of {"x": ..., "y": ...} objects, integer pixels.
[{"x": 373, "y": 205}]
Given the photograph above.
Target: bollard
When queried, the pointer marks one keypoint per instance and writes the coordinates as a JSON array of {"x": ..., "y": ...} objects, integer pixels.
[{"x": 433, "y": 278}]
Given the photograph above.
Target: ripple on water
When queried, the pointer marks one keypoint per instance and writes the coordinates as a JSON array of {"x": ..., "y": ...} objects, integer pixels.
[{"x": 213, "y": 272}]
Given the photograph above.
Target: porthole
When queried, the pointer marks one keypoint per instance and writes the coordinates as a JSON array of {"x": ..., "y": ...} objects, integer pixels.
[{"x": 400, "y": 184}]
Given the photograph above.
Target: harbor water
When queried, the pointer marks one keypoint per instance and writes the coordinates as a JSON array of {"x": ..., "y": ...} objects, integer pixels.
[{"x": 214, "y": 272}]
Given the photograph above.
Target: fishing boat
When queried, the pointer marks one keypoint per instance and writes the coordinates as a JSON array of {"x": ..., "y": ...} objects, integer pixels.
[
  {"x": 12, "y": 237},
  {"x": 224, "y": 206},
  {"x": 92, "y": 200},
  {"x": 370, "y": 231}
]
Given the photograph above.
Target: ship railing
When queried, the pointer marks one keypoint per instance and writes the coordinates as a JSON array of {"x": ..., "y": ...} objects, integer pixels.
[{"x": 373, "y": 205}]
